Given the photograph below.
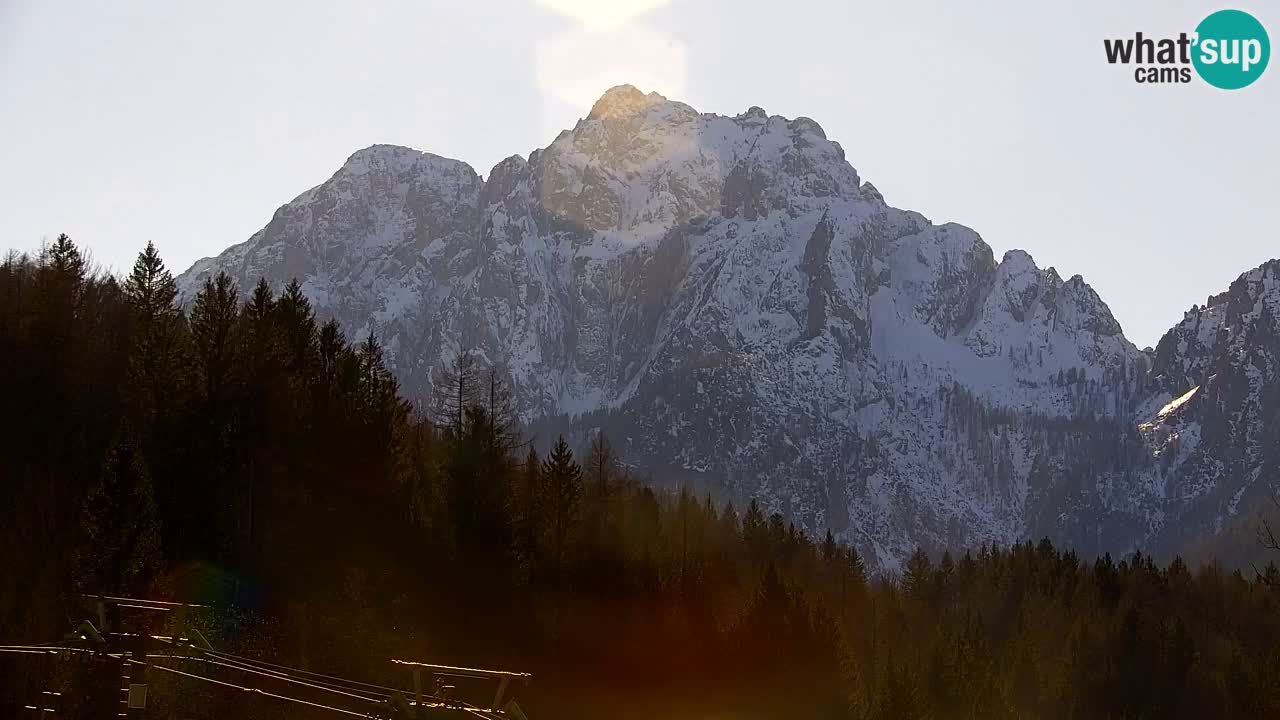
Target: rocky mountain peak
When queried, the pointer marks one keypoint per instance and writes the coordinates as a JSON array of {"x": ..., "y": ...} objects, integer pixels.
[
  {"x": 656, "y": 271},
  {"x": 623, "y": 101},
  {"x": 381, "y": 157}
]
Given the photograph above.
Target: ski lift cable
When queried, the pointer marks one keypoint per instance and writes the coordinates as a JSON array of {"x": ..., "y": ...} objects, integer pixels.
[
  {"x": 45, "y": 649},
  {"x": 246, "y": 667},
  {"x": 333, "y": 681},
  {"x": 464, "y": 672},
  {"x": 249, "y": 661},
  {"x": 57, "y": 651},
  {"x": 144, "y": 607},
  {"x": 141, "y": 600},
  {"x": 253, "y": 690},
  {"x": 480, "y": 712},
  {"x": 278, "y": 676},
  {"x": 34, "y": 645}
]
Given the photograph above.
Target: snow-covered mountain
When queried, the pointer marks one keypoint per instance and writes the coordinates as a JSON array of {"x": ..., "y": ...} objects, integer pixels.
[
  {"x": 739, "y": 310},
  {"x": 1216, "y": 434}
]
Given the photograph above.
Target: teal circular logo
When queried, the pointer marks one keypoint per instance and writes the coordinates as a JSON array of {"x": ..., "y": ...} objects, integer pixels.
[{"x": 1232, "y": 49}]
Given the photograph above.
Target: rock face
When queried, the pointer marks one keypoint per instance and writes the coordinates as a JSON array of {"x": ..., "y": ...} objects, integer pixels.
[
  {"x": 729, "y": 300},
  {"x": 1215, "y": 436}
]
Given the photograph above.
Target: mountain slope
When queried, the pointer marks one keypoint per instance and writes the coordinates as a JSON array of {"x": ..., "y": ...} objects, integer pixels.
[
  {"x": 741, "y": 312},
  {"x": 1216, "y": 434}
]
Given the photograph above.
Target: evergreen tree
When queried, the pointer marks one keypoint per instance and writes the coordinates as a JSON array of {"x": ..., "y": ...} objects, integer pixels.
[
  {"x": 916, "y": 575},
  {"x": 382, "y": 417},
  {"x": 902, "y": 697},
  {"x": 562, "y": 480},
  {"x": 151, "y": 289},
  {"x": 119, "y": 550},
  {"x": 65, "y": 260},
  {"x": 730, "y": 533},
  {"x": 755, "y": 533},
  {"x": 262, "y": 412},
  {"x": 857, "y": 570},
  {"x": 477, "y": 484},
  {"x": 157, "y": 387},
  {"x": 140, "y": 440},
  {"x": 421, "y": 493},
  {"x": 261, "y": 305},
  {"x": 777, "y": 538},
  {"x": 858, "y": 699},
  {"x": 530, "y": 511},
  {"x": 330, "y": 346},
  {"x": 298, "y": 328},
  {"x": 829, "y": 547},
  {"x": 215, "y": 323},
  {"x": 215, "y": 320},
  {"x": 156, "y": 359}
]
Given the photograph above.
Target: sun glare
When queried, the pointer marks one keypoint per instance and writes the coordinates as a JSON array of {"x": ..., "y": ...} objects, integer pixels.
[
  {"x": 598, "y": 15},
  {"x": 633, "y": 54}
]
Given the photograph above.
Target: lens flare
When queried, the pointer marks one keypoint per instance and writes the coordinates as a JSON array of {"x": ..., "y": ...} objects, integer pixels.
[
  {"x": 577, "y": 66},
  {"x": 597, "y": 15}
]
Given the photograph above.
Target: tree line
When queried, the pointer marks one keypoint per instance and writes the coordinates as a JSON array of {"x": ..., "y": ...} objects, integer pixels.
[{"x": 242, "y": 452}]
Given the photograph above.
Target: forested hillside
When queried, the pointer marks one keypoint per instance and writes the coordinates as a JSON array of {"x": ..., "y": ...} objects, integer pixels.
[{"x": 243, "y": 454}]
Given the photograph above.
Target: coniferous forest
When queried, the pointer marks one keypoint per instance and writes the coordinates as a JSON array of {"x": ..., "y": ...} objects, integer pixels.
[{"x": 239, "y": 452}]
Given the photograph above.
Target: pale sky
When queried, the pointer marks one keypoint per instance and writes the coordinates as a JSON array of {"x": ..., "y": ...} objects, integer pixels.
[{"x": 189, "y": 123}]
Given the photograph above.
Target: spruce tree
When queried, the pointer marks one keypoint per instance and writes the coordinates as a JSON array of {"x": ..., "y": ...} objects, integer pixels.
[
  {"x": 330, "y": 344},
  {"x": 151, "y": 288},
  {"x": 755, "y": 533},
  {"x": 157, "y": 389},
  {"x": 298, "y": 331},
  {"x": 562, "y": 480},
  {"x": 917, "y": 575},
  {"x": 55, "y": 342},
  {"x": 730, "y": 532},
  {"x": 829, "y": 547},
  {"x": 856, "y": 568},
  {"x": 119, "y": 549},
  {"x": 215, "y": 319},
  {"x": 215, "y": 427},
  {"x": 154, "y": 368},
  {"x": 478, "y": 485},
  {"x": 65, "y": 259},
  {"x": 529, "y": 510},
  {"x": 260, "y": 306},
  {"x": 262, "y": 413}
]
